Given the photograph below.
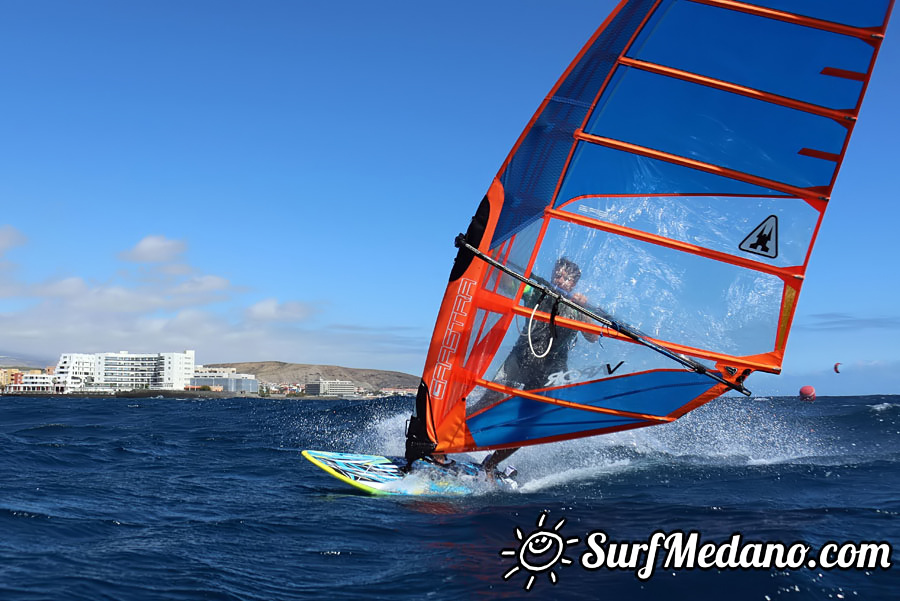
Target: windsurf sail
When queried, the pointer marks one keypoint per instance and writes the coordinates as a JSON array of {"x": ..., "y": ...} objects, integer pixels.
[{"x": 642, "y": 248}]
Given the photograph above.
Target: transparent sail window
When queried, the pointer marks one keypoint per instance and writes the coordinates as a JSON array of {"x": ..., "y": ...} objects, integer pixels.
[
  {"x": 719, "y": 223},
  {"x": 670, "y": 295}
]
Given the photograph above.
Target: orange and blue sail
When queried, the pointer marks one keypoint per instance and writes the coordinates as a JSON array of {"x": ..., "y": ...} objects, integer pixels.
[{"x": 683, "y": 163}]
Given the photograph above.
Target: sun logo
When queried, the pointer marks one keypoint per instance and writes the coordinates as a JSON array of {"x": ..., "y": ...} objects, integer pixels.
[{"x": 538, "y": 553}]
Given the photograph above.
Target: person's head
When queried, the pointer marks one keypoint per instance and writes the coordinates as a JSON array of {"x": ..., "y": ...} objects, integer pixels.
[{"x": 565, "y": 274}]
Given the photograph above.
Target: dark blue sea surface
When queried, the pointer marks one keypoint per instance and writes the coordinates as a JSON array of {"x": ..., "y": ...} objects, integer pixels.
[{"x": 210, "y": 499}]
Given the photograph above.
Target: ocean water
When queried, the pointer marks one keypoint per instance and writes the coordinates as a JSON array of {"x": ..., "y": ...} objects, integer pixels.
[{"x": 210, "y": 499}]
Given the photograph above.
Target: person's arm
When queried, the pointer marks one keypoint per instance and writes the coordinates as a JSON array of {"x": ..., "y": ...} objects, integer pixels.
[{"x": 582, "y": 300}]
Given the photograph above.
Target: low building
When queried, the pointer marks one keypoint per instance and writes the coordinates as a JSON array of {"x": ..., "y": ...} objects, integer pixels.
[
  {"x": 400, "y": 391},
  {"x": 34, "y": 383},
  {"x": 224, "y": 379},
  {"x": 6, "y": 376},
  {"x": 240, "y": 385},
  {"x": 202, "y": 371}
]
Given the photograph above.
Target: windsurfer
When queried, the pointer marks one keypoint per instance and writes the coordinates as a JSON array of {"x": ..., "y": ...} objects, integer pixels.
[{"x": 543, "y": 349}]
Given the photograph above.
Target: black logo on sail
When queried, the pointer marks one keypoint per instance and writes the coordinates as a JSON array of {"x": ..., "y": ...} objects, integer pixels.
[{"x": 763, "y": 240}]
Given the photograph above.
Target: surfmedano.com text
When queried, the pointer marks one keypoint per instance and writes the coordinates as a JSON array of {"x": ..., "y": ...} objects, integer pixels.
[{"x": 680, "y": 551}]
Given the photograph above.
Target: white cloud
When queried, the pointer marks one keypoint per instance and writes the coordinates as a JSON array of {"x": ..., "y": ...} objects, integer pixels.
[
  {"x": 67, "y": 287},
  {"x": 51, "y": 328},
  {"x": 846, "y": 321},
  {"x": 174, "y": 269},
  {"x": 271, "y": 310},
  {"x": 104, "y": 300},
  {"x": 154, "y": 249},
  {"x": 10, "y": 237},
  {"x": 203, "y": 283},
  {"x": 9, "y": 287},
  {"x": 170, "y": 306}
]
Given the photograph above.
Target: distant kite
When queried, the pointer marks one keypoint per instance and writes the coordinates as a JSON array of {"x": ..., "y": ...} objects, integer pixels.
[{"x": 836, "y": 370}]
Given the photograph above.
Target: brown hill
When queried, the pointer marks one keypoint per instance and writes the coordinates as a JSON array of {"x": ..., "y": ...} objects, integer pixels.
[{"x": 279, "y": 372}]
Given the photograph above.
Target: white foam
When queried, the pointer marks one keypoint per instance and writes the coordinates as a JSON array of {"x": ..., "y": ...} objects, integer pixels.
[
  {"x": 740, "y": 432},
  {"x": 386, "y": 434},
  {"x": 422, "y": 483},
  {"x": 569, "y": 476}
]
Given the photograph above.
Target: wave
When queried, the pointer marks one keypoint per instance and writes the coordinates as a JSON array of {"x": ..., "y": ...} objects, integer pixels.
[{"x": 735, "y": 433}]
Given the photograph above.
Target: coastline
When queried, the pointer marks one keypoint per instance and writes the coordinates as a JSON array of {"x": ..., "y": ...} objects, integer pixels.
[
  {"x": 189, "y": 394},
  {"x": 136, "y": 394}
]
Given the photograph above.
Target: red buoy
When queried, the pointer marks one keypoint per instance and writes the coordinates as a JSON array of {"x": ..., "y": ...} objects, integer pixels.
[{"x": 808, "y": 393}]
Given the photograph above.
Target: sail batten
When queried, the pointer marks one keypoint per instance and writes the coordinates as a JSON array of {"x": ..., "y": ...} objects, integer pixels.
[
  {"x": 642, "y": 248},
  {"x": 864, "y": 33},
  {"x": 562, "y": 403},
  {"x": 812, "y": 192},
  {"x": 840, "y": 115}
]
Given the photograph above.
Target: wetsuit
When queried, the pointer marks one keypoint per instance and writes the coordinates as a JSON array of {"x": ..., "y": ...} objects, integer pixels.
[{"x": 523, "y": 369}]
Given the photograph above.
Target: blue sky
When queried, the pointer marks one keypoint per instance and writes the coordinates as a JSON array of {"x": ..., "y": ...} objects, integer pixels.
[{"x": 283, "y": 180}]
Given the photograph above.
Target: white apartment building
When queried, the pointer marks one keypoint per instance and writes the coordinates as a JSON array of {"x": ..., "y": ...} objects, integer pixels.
[
  {"x": 80, "y": 372},
  {"x": 330, "y": 388},
  {"x": 35, "y": 383},
  {"x": 77, "y": 371}
]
